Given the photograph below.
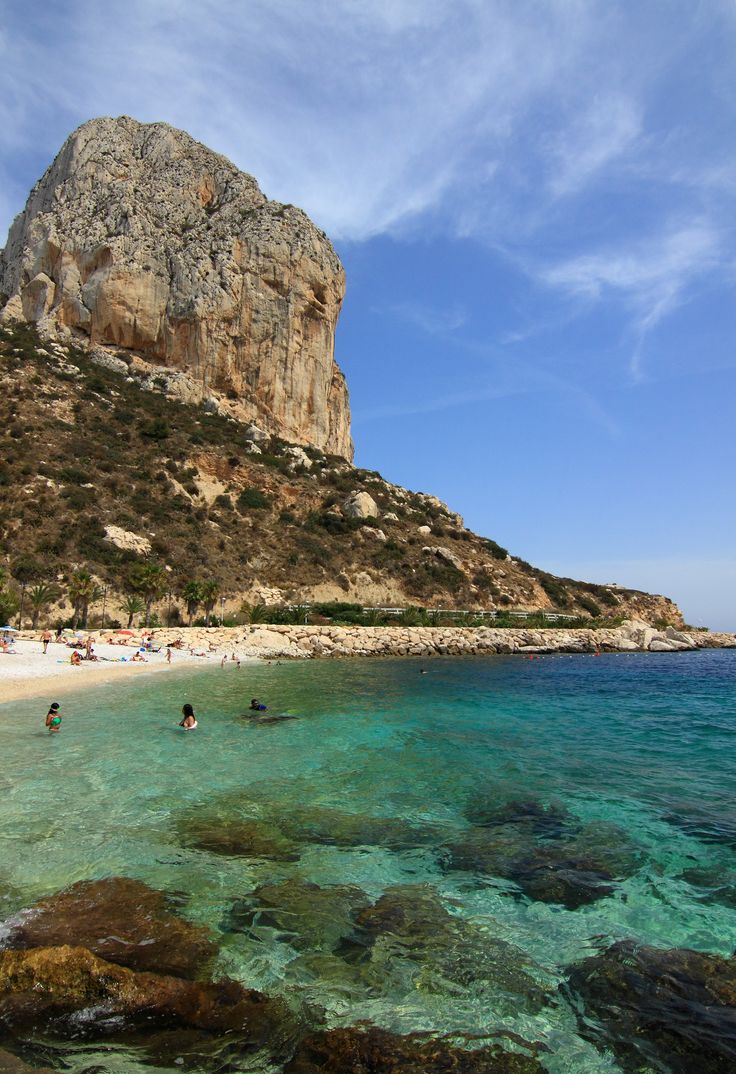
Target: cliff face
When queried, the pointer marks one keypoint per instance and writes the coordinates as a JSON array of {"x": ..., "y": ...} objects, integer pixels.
[{"x": 140, "y": 240}]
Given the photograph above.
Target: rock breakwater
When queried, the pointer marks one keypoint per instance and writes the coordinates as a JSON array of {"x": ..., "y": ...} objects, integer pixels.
[{"x": 311, "y": 642}]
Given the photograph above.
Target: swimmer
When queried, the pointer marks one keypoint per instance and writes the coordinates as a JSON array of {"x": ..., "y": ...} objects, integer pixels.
[
  {"x": 256, "y": 706},
  {"x": 189, "y": 723},
  {"x": 53, "y": 717}
]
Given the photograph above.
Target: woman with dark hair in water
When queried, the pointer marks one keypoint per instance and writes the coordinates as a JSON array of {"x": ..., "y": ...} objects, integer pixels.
[
  {"x": 53, "y": 717},
  {"x": 189, "y": 723}
]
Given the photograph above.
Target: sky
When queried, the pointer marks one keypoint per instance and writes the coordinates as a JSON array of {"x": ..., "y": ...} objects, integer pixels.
[{"x": 534, "y": 202}]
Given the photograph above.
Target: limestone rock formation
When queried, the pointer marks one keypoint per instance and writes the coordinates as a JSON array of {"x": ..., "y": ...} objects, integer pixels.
[{"x": 139, "y": 239}]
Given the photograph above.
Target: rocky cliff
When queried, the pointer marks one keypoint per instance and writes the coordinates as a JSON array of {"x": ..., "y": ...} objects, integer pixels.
[{"x": 155, "y": 252}]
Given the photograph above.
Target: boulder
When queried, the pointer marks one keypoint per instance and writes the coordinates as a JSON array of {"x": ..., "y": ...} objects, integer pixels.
[
  {"x": 121, "y": 920},
  {"x": 41, "y": 988},
  {"x": 660, "y": 1009},
  {"x": 369, "y": 1050},
  {"x": 239, "y": 838},
  {"x": 127, "y": 540},
  {"x": 360, "y": 505},
  {"x": 303, "y": 914},
  {"x": 255, "y": 435}
]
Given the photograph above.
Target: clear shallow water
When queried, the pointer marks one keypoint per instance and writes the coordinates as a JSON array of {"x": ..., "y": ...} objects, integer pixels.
[{"x": 644, "y": 742}]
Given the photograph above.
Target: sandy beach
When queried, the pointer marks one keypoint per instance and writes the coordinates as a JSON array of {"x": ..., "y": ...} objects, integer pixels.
[{"x": 27, "y": 672}]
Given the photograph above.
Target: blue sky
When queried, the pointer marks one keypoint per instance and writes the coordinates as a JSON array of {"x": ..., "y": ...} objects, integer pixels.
[{"x": 534, "y": 201}]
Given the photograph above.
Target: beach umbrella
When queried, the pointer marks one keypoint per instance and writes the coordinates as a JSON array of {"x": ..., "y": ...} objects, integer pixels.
[{"x": 8, "y": 630}]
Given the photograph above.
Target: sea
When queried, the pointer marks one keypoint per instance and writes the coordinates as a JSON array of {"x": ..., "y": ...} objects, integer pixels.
[{"x": 380, "y": 780}]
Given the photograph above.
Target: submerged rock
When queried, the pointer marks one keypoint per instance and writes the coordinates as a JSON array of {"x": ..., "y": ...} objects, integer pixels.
[
  {"x": 672, "y": 1010},
  {"x": 121, "y": 920},
  {"x": 709, "y": 826},
  {"x": 576, "y": 867},
  {"x": 305, "y": 915},
  {"x": 716, "y": 885},
  {"x": 551, "y": 821},
  {"x": 11, "y": 1064},
  {"x": 245, "y": 838},
  {"x": 361, "y": 1050},
  {"x": 331, "y": 827},
  {"x": 410, "y": 922},
  {"x": 55, "y": 989}
]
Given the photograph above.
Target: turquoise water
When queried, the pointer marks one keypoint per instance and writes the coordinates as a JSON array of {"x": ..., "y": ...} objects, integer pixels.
[{"x": 637, "y": 749}]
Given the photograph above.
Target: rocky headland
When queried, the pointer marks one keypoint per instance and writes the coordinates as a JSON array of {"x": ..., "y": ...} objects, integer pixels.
[
  {"x": 169, "y": 386},
  {"x": 160, "y": 256}
]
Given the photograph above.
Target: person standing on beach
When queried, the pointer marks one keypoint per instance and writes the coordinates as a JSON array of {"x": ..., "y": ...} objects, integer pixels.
[
  {"x": 46, "y": 638},
  {"x": 53, "y": 717}
]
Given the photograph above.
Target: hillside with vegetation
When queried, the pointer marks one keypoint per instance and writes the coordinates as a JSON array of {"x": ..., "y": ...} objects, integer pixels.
[{"x": 117, "y": 500}]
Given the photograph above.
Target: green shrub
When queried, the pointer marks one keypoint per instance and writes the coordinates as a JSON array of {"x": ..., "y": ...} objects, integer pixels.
[
  {"x": 496, "y": 550},
  {"x": 556, "y": 592},
  {"x": 254, "y": 500},
  {"x": 589, "y": 604},
  {"x": 155, "y": 429}
]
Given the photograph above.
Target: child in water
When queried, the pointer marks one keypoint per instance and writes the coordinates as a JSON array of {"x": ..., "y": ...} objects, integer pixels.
[
  {"x": 189, "y": 722},
  {"x": 257, "y": 706},
  {"x": 53, "y": 717}
]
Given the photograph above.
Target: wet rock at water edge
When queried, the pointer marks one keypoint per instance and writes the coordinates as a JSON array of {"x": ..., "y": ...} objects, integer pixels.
[
  {"x": 245, "y": 838},
  {"x": 369, "y": 1050},
  {"x": 657, "y": 1009},
  {"x": 410, "y": 922},
  {"x": 305, "y": 915},
  {"x": 121, "y": 920},
  {"x": 67, "y": 991}
]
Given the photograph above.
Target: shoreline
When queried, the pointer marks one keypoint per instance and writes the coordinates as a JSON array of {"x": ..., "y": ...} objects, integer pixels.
[{"x": 28, "y": 674}]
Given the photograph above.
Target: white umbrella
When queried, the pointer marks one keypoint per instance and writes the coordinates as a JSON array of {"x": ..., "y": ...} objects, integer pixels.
[{"x": 8, "y": 630}]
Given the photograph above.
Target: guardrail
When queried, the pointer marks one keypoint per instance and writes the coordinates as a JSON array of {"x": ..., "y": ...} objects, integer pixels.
[{"x": 453, "y": 613}]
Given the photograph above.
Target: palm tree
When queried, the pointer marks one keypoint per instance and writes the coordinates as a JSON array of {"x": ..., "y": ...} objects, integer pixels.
[
  {"x": 132, "y": 605},
  {"x": 149, "y": 581},
  {"x": 83, "y": 590},
  {"x": 192, "y": 594},
  {"x": 40, "y": 596},
  {"x": 210, "y": 592}
]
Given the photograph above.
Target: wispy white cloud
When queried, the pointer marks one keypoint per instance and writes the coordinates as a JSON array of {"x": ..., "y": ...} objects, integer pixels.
[
  {"x": 433, "y": 320},
  {"x": 492, "y": 119},
  {"x": 368, "y": 114},
  {"x": 651, "y": 275},
  {"x": 599, "y": 135}
]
